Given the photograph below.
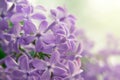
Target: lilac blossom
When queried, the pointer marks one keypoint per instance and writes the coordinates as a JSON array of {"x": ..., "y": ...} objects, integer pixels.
[
  {"x": 51, "y": 67},
  {"x": 47, "y": 50},
  {"x": 20, "y": 70}
]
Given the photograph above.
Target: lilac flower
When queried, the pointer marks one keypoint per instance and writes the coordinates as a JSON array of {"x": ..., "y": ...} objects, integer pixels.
[
  {"x": 17, "y": 5},
  {"x": 12, "y": 39},
  {"x": 64, "y": 37},
  {"x": 50, "y": 68},
  {"x": 60, "y": 16},
  {"x": 43, "y": 39},
  {"x": 20, "y": 70},
  {"x": 5, "y": 10},
  {"x": 26, "y": 15},
  {"x": 4, "y": 25},
  {"x": 74, "y": 70},
  {"x": 50, "y": 51}
]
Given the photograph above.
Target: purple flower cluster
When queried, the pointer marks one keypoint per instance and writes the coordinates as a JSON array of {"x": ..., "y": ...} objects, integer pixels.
[
  {"x": 98, "y": 66},
  {"x": 38, "y": 46}
]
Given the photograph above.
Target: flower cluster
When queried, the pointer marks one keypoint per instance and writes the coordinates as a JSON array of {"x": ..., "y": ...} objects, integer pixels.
[
  {"x": 98, "y": 66},
  {"x": 38, "y": 46}
]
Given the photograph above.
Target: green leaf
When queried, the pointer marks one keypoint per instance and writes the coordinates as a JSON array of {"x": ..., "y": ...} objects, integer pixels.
[
  {"x": 10, "y": 24},
  {"x": 43, "y": 55},
  {"x": 21, "y": 49},
  {"x": 32, "y": 53},
  {"x": 2, "y": 54}
]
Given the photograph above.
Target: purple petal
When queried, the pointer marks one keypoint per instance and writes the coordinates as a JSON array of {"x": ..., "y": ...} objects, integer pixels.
[
  {"x": 60, "y": 31},
  {"x": 56, "y": 28},
  {"x": 79, "y": 49},
  {"x": 27, "y": 39},
  {"x": 39, "y": 45},
  {"x": 17, "y": 73},
  {"x": 71, "y": 20},
  {"x": 72, "y": 17},
  {"x": 31, "y": 78},
  {"x": 48, "y": 38},
  {"x": 53, "y": 13},
  {"x": 10, "y": 0},
  {"x": 39, "y": 7},
  {"x": 71, "y": 37},
  {"x": 3, "y": 25},
  {"x": 50, "y": 26},
  {"x": 46, "y": 75},
  {"x": 16, "y": 46},
  {"x": 72, "y": 29},
  {"x": 29, "y": 27},
  {"x": 38, "y": 16},
  {"x": 55, "y": 57},
  {"x": 61, "y": 13},
  {"x": 16, "y": 18},
  {"x": 3, "y": 5},
  {"x": 61, "y": 9},
  {"x": 72, "y": 45},
  {"x": 23, "y": 2},
  {"x": 48, "y": 49},
  {"x": 16, "y": 29},
  {"x": 9, "y": 48},
  {"x": 71, "y": 67},
  {"x": 58, "y": 71},
  {"x": 27, "y": 9},
  {"x": 63, "y": 46},
  {"x": 57, "y": 78},
  {"x": 6, "y": 36},
  {"x": 60, "y": 39},
  {"x": 19, "y": 8},
  {"x": 39, "y": 64},
  {"x": 23, "y": 62},
  {"x": 10, "y": 62},
  {"x": 43, "y": 26}
]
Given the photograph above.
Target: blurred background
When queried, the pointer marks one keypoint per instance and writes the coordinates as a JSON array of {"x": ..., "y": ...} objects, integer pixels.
[{"x": 97, "y": 17}]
